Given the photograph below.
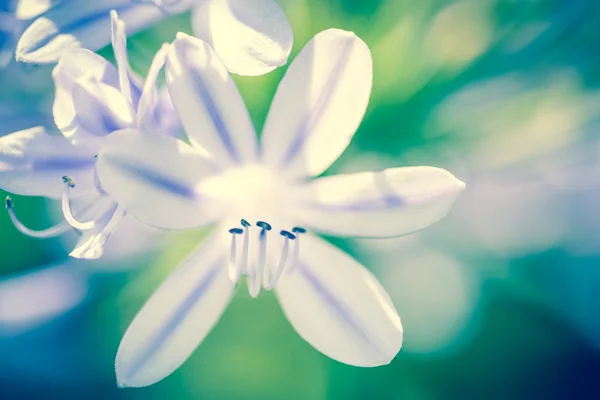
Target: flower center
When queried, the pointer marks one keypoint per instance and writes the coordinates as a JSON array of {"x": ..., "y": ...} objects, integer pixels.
[{"x": 264, "y": 241}]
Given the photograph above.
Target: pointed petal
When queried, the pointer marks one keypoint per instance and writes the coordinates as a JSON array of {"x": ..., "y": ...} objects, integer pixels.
[
  {"x": 156, "y": 179},
  {"x": 338, "y": 306},
  {"x": 32, "y": 163},
  {"x": 101, "y": 109},
  {"x": 176, "y": 318},
  {"x": 208, "y": 102},
  {"x": 319, "y": 104},
  {"x": 392, "y": 202},
  {"x": 74, "y": 66},
  {"x": 119, "y": 44},
  {"x": 148, "y": 103},
  {"x": 252, "y": 37},
  {"x": 108, "y": 217},
  {"x": 80, "y": 23}
]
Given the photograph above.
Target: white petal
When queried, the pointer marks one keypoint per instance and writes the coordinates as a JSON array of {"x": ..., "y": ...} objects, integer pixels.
[
  {"x": 392, "y": 202},
  {"x": 119, "y": 44},
  {"x": 100, "y": 108},
  {"x": 74, "y": 66},
  {"x": 208, "y": 102},
  {"x": 176, "y": 318},
  {"x": 252, "y": 37},
  {"x": 338, "y": 306},
  {"x": 108, "y": 217},
  {"x": 319, "y": 104},
  {"x": 80, "y": 23},
  {"x": 33, "y": 163},
  {"x": 156, "y": 179},
  {"x": 147, "y": 106}
]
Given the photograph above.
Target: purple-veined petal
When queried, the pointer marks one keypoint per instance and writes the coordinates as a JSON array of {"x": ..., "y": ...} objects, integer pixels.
[
  {"x": 208, "y": 102},
  {"x": 176, "y": 319},
  {"x": 100, "y": 108},
  {"x": 156, "y": 179},
  {"x": 338, "y": 306},
  {"x": 80, "y": 23},
  {"x": 32, "y": 163},
  {"x": 319, "y": 104},
  {"x": 28, "y": 9},
  {"x": 391, "y": 202},
  {"x": 74, "y": 66},
  {"x": 252, "y": 37}
]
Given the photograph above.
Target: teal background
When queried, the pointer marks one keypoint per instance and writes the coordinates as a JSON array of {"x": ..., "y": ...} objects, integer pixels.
[{"x": 500, "y": 300}]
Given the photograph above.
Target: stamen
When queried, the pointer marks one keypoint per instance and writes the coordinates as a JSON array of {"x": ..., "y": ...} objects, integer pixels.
[
  {"x": 244, "y": 267},
  {"x": 296, "y": 253},
  {"x": 53, "y": 231},
  {"x": 255, "y": 279},
  {"x": 234, "y": 271},
  {"x": 282, "y": 261},
  {"x": 68, "y": 212}
]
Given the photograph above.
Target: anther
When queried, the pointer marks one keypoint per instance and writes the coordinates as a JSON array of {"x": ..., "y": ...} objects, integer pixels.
[
  {"x": 236, "y": 231},
  {"x": 287, "y": 235},
  {"x": 263, "y": 225},
  {"x": 56, "y": 230},
  {"x": 245, "y": 223},
  {"x": 69, "y": 181},
  {"x": 298, "y": 229}
]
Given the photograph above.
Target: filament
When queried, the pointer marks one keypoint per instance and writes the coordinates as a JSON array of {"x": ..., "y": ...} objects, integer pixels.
[{"x": 53, "y": 231}]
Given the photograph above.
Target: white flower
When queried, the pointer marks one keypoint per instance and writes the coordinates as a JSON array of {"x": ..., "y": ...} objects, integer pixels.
[
  {"x": 264, "y": 207},
  {"x": 253, "y": 37},
  {"x": 93, "y": 99}
]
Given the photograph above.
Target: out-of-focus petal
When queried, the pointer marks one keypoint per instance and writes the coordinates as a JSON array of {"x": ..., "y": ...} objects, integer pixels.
[
  {"x": 176, "y": 318},
  {"x": 33, "y": 163},
  {"x": 100, "y": 108},
  {"x": 74, "y": 66},
  {"x": 208, "y": 102},
  {"x": 319, "y": 104},
  {"x": 391, "y": 202},
  {"x": 338, "y": 306},
  {"x": 80, "y": 23},
  {"x": 156, "y": 179},
  {"x": 252, "y": 37},
  {"x": 30, "y": 300}
]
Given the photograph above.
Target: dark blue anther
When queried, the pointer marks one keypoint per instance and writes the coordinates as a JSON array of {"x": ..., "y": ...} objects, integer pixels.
[
  {"x": 236, "y": 231},
  {"x": 69, "y": 181},
  {"x": 297, "y": 229},
  {"x": 264, "y": 225},
  {"x": 245, "y": 223},
  {"x": 8, "y": 202},
  {"x": 288, "y": 235}
]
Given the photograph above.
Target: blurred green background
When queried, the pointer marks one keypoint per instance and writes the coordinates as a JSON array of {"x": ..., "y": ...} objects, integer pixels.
[{"x": 501, "y": 300}]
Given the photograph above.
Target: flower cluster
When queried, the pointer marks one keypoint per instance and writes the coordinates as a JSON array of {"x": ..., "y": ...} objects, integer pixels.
[{"x": 119, "y": 154}]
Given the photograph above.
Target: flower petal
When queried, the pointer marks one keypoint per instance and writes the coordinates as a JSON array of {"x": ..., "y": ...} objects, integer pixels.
[
  {"x": 319, "y": 104},
  {"x": 338, "y": 306},
  {"x": 252, "y": 37},
  {"x": 100, "y": 108},
  {"x": 80, "y": 23},
  {"x": 388, "y": 203},
  {"x": 155, "y": 178},
  {"x": 208, "y": 102},
  {"x": 147, "y": 106},
  {"x": 119, "y": 44},
  {"x": 32, "y": 163},
  {"x": 176, "y": 318},
  {"x": 108, "y": 216},
  {"x": 74, "y": 66}
]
